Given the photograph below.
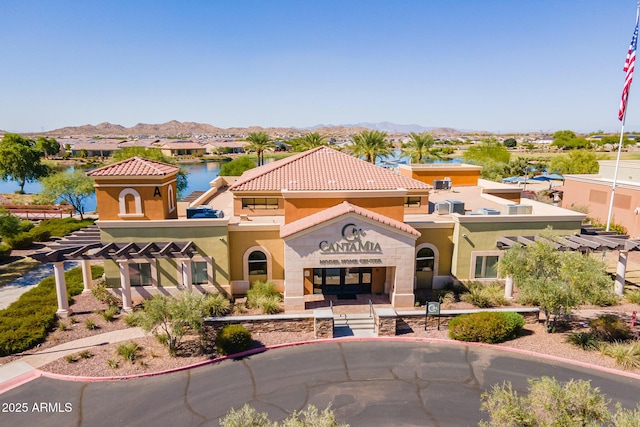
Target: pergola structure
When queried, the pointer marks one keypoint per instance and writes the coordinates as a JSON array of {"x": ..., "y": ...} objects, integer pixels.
[
  {"x": 589, "y": 240},
  {"x": 86, "y": 246}
]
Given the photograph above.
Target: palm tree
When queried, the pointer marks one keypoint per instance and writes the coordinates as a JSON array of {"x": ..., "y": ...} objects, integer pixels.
[
  {"x": 259, "y": 141},
  {"x": 418, "y": 147},
  {"x": 309, "y": 141},
  {"x": 370, "y": 144}
]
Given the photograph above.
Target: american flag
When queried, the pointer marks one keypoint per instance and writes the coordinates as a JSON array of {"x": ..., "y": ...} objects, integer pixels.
[{"x": 629, "y": 65}]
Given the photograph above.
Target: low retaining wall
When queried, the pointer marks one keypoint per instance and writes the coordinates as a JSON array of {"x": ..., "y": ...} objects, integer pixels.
[{"x": 262, "y": 324}]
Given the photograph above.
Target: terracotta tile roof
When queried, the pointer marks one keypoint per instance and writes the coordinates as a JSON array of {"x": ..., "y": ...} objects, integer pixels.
[
  {"x": 135, "y": 166},
  {"x": 186, "y": 145},
  {"x": 323, "y": 169},
  {"x": 337, "y": 211}
]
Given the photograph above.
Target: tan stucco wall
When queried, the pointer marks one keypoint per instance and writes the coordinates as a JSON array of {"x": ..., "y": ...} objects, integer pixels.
[
  {"x": 442, "y": 239},
  {"x": 241, "y": 241},
  {"x": 153, "y": 207},
  {"x": 392, "y": 207}
]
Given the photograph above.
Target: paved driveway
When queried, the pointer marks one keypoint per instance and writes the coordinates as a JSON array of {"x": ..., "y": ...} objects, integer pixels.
[{"x": 370, "y": 383}]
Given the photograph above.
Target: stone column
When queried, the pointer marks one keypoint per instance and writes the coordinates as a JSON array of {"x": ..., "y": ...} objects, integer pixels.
[
  {"x": 125, "y": 285},
  {"x": 86, "y": 275},
  {"x": 508, "y": 287},
  {"x": 621, "y": 272},
  {"x": 186, "y": 274},
  {"x": 61, "y": 290}
]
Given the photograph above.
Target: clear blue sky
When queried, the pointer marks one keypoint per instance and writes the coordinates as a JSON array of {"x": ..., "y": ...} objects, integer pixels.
[{"x": 495, "y": 65}]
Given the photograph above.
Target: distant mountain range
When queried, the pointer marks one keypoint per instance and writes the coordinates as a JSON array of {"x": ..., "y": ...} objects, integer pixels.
[{"x": 191, "y": 128}]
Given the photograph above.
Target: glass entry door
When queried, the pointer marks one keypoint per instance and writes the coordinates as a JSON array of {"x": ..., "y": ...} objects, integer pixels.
[{"x": 342, "y": 281}]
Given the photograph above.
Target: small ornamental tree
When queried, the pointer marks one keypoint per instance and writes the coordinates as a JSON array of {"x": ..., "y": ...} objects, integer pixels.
[{"x": 72, "y": 187}]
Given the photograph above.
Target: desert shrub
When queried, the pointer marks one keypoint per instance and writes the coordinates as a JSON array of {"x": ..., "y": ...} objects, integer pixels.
[
  {"x": 85, "y": 354},
  {"x": 447, "y": 298},
  {"x": 71, "y": 358},
  {"x": 40, "y": 235},
  {"x": 25, "y": 225},
  {"x": 260, "y": 290},
  {"x": 110, "y": 313},
  {"x": 90, "y": 325},
  {"x": 488, "y": 327},
  {"x": 484, "y": 295},
  {"x": 61, "y": 227},
  {"x": 27, "y": 321},
  {"x": 232, "y": 339},
  {"x": 269, "y": 304},
  {"x": 129, "y": 351},
  {"x": 310, "y": 416},
  {"x": 216, "y": 305},
  {"x": 626, "y": 355},
  {"x": 133, "y": 318},
  {"x": 608, "y": 327},
  {"x": 5, "y": 251},
  {"x": 19, "y": 241},
  {"x": 584, "y": 340},
  {"x": 102, "y": 294},
  {"x": 633, "y": 297},
  {"x": 113, "y": 364}
]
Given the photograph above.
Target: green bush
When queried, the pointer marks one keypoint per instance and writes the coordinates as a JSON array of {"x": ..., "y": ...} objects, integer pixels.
[
  {"x": 110, "y": 313},
  {"x": 26, "y": 322},
  {"x": 5, "y": 251},
  {"x": 269, "y": 304},
  {"x": 484, "y": 295},
  {"x": 216, "y": 305},
  {"x": 260, "y": 290},
  {"x": 20, "y": 241},
  {"x": 25, "y": 225},
  {"x": 40, "y": 235},
  {"x": 626, "y": 355},
  {"x": 633, "y": 297},
  {"x": 487, "y": 327},
  {"x": 90, "y": 325},
  {"x": 584, "y": 340},
  {"x": 609, "y": 328},
  {"x": 232, "y": 339},
  {"x": 129, "y": 351},
  {"x": 133, "y": 318}
]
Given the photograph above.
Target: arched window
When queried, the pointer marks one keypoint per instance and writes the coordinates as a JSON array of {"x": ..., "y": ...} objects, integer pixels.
[
  {"x": 425, "y": 260},
  {"x": 130, "y": 203},
  {"x": 257, "y": 263},
  {"x": 171, "y": 201}
]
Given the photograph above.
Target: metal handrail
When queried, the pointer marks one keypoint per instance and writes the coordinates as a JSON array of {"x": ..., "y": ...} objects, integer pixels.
[
  {"x": 331, "y": 305},
  {"x": 370, "y": 309}
]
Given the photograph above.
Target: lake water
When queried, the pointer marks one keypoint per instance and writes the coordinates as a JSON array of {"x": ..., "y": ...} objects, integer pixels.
[{"x": 199, "y": 176}]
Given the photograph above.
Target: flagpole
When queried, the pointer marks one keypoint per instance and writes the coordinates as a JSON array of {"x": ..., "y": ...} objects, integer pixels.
[{"x": 624, "y": 119}]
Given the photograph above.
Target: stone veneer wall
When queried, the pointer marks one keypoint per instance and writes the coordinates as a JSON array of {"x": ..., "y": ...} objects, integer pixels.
[
  {"x": 264, "y": 324},
  {"x": 409, "y": 321}
]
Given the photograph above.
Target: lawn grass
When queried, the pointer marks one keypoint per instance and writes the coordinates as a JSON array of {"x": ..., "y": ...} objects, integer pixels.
[{"x": 17, "y": 269}]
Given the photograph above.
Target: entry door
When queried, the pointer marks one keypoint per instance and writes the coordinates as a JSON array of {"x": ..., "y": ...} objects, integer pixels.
[{"x": 343, "y": 281}]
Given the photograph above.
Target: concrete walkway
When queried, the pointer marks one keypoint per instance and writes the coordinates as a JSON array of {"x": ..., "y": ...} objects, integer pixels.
[{"x": 11, "y": 373}]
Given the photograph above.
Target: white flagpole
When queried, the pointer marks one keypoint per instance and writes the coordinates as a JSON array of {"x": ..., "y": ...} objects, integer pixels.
[{"x": 624, "y": 118}]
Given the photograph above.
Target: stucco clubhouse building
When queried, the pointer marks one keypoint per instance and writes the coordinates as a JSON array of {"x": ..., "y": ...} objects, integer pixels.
[{"x": 317, "y": 223}]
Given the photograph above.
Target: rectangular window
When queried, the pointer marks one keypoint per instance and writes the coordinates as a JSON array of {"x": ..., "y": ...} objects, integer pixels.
[
  {"x": 262, "y": 203},
  {"x": 486, "y": 267},
  {"x": 140, "y": 274},
  {"x": 199, "y": 273},
  {"x": 596, "y": 196},
  {"x": 412, "y": 202}
]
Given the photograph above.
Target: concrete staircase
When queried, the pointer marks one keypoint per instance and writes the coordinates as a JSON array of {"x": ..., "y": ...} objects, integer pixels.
[{"x": 354, "y": 325}]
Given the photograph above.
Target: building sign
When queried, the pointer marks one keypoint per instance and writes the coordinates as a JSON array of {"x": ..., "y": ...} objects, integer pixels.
[{"x": 352, "y": 243}]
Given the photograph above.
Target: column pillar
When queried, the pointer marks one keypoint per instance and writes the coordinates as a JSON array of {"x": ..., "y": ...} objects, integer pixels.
[
  {"x": 508, "y": 287},
  {"x": 61, "y": 290},
  {"x": 86, "y": 275},
  {"x": 186, "y": 274},
  {"x": 125, "y": 285},
  {"x": 621, "y": 271}
]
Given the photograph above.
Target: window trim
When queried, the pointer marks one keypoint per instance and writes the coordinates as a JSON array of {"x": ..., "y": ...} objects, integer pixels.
[
  {"x": 436, "y": 256},
  {"x": 483, "y": 254},
  {"x": 153, "y": 267},
  {"x": 251, "y": 204},
  {"x": 245, "y": 261}
]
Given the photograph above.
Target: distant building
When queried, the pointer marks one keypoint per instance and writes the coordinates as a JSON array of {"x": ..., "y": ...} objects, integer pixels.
[{"x": 182, "y": 148}]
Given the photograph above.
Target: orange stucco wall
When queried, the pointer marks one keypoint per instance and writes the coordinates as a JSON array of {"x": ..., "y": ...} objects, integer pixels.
[
  {"x": 458, "y": 176},
  {"x": 595, "y": 199},
  {"x": 512, "y": 196},
  {"x": 295, "y": 209},
  {"x": 238, "y": 210},
  {"x": 154, "y": 206}
]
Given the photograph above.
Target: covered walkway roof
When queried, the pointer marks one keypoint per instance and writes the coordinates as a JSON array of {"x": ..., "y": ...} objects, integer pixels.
[{"x": 589, "y": 239}]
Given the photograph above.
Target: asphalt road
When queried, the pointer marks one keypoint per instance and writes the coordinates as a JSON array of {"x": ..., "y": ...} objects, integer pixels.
[{"x": 368, "y": 383}]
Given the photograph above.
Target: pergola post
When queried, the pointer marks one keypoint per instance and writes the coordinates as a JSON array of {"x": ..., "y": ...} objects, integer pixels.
[
  {"x": 86, "y": 275},
  {"x": 125, "y": 285},
  {"x": 621, "y": 272},
  {"x": 508, "y": 287},
  {"x": 61, "y": 289},
  {"x": 186, "y": 273}
]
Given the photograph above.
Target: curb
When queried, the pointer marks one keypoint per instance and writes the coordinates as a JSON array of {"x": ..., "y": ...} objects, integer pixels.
[
  {"x": 20, "y": 380},
  {"x": 38, "y": 373}
]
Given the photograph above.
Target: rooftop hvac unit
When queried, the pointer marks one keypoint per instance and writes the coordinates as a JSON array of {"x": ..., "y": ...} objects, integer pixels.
[
  {"x": 456, "y": 206},
  {"x": 474, "y": 213},
  {"x": 442, "y": 208},
  {"x": 442, "y": 184},
  {"x": 518, "y": 209},
  {"x": 488, "y": 211}
]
